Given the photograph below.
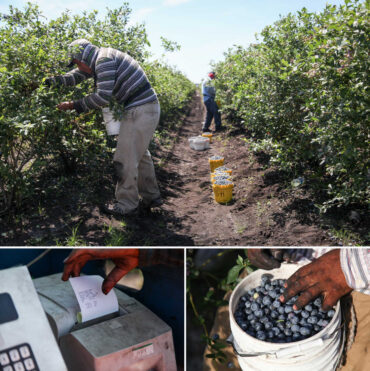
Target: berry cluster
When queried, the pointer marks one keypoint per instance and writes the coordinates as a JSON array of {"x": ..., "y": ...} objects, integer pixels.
[
  {"x": 222, "y": 181},
  {"x": 222, "y": 169},
  {"x": 214, "y": 158},
  {"x": 262, "y": 315}
]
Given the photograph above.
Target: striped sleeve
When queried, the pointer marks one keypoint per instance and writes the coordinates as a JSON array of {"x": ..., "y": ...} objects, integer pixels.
[
  {"x": 355, "y": 265},
  {"x": 71, "y": 78},
  {"x": 105, "y": 70}
]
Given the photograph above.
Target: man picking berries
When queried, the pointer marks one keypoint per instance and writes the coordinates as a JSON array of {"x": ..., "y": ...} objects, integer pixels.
[
  {"x": 119, "y": 78},
  {"x": 209, "y": 94}
]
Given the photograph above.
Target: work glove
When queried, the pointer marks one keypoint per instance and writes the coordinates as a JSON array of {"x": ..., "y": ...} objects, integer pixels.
[
  {"x": 266, "y": 258},
  {"x": 323, "y": 276},
  {"x": 124, "y": 259}
]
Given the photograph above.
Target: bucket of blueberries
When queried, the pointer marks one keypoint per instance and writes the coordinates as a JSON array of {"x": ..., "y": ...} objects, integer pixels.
[{"x": 270, "y": 335}]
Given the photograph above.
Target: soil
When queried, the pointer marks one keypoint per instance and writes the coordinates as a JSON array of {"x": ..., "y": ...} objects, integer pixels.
[{"x": 265, "y": 209}]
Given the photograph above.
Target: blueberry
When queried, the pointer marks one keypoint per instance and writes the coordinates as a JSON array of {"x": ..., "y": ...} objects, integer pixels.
[
  {"x": 317, "y": 302},
  {"x": 266, "y": 300},
  {"x": 296, "y": 336},
  {"x": 258, "y": 313},
  {"x": 308, "y": 308},
  {"x": 295, "y": 328},
  {"x": 305, "y": 314},
  {"x": 294, "y": 320},
  {"x": 276, "y": 304},
  {"x": 281, "y": 317},
  {"x": 255, "y": 306},
  {"x": 270, "y": 334},
  {"x": 275, "y": 330},
  {"x": 288, "y": 309},
  {"x": 258, "y": 326},
  {"x": 230, "y": 365},
  {"x": 251, "y": 317},
  {"x": 281, "y": 310},
  {"x": 261, "y": 335},
  {"x": 304, "y": 331},
  {"x": 280, "y": 326},
  {"x": 266, "y": 278},
  {"x": 312, "y": 320},
  {"x": 247, "y": 304},
  {"x": 274, "y": 314},
  {"x": 215, "y": 337},
  {"x": 288, "y": 332},
  {"x": 273, "y": 294},
  {"x": 331, "y": 313},
  {"x": 268, "y": 325}
]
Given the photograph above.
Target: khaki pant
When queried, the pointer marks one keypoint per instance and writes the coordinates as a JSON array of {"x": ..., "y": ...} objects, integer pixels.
[
  {"x": 357, "y": 357},
  {"x": 132, "y": 160}
]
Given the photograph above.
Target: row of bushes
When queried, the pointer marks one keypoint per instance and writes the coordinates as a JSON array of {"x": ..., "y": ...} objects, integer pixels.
[
  {"x": 302, "y": 94},
  {"x": 33, "y": 133}
]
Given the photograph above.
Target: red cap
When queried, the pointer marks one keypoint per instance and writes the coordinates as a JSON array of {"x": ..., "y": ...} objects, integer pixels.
[{"x": 211, "y": 75}]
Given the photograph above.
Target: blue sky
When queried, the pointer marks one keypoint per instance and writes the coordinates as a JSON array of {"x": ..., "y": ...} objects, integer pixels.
[{"x": 205, "y": 29}]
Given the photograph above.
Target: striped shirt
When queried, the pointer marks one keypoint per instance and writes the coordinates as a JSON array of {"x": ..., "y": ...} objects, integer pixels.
[
  {"x": 355, "y": 264},
  {"x": 117, "y": 76}
]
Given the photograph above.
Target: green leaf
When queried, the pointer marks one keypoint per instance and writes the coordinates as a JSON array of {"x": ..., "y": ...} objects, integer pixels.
[{"x": 233, "y": 274}]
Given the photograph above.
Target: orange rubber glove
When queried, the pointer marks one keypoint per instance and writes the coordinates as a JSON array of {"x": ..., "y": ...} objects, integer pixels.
[
  {"x": 323, "y": 276},
  {"x": 124, "y": 259}
]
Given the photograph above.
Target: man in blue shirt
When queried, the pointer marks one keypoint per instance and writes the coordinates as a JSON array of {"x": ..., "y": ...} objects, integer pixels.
[{"x": 209, "y": 93}]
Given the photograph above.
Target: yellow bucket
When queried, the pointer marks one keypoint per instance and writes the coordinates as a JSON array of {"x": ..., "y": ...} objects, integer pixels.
[
  {"x": 208, "y": 135},
  {"x": 215, "y": 162},
  {"x": 223, "y": 193}
]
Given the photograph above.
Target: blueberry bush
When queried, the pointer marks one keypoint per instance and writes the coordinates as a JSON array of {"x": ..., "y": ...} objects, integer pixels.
[
  {"x": 301, "y": 92},
  {"x": 34, "y": 135}
]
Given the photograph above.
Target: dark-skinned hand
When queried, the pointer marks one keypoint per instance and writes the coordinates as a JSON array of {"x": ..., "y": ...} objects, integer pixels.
[
  {"x": 323, "y": 276},
  {"x": 124, "y": 259},
  {"x": 267, "y": 258},
  {"x": 65, "y": 106}
]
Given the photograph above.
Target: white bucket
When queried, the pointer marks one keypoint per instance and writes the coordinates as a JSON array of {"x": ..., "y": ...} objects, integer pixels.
[
  {"x": 320, "y": 352},
  {"x": 111, "y": 125},
  {"x": 199, "y": 143}
]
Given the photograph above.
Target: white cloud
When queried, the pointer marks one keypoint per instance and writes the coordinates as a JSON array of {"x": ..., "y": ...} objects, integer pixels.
[
  {"x": 139, "y": 15},
  {"x": 174, "y": 2}
]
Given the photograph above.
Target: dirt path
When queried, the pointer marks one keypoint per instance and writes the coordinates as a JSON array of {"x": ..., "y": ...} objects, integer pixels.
[
  {"x": 264, "y": 211},
  {"x": 261, "y": 213}
]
